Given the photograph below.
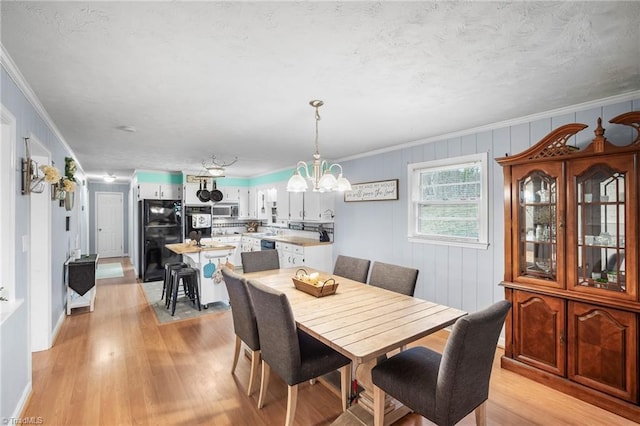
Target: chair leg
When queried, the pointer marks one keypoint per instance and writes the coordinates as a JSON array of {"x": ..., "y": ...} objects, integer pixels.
[
  {"x": 264, "y": 383},
  {"x": 292, "y": 402},
  {"x": 197, "y": 291},
  {"x": 255, "y": 360},
  {"x": 345, "y": 385},
  {"x": 175, "y": 286},
  {"x": 236, "y": 354},
  {"x": 481, "y": 414},
  {"x": 378, "y": 406}
]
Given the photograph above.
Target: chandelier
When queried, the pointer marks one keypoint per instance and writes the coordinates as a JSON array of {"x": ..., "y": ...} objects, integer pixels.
[
  {"x": 321, "y": 177},
  {"x": 216, "y": 168}
]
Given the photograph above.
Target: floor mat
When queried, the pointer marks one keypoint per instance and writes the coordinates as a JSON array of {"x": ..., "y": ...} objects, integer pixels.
[
  {"x": 109, "y": 270},
  {"x": 184, "y": 307}
]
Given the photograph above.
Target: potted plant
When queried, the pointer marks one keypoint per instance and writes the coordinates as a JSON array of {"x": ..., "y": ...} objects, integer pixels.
[{"x": 69, "y": 182}]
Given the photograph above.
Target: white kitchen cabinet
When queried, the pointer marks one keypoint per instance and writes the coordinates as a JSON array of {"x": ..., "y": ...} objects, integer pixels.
[
  {"x": 319, "y": 206},
  {"x": 296, "y": 206},
  {"x": 290, "y": 255},
  {"x": 311, "y": 206},
  {"x": 154, "y": 191},
  {"x": 295, "y": 255},
  {"x": 249, "y": 243},
  {"x": 243, "y": 203},
  {"x": 253, "y": 203},
  {"x": 282, "y": 202},
  {"x": 230, "y": 194}
]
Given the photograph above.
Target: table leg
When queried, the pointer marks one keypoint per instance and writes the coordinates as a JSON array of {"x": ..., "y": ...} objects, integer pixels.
[{"x": 362, "y": 412}]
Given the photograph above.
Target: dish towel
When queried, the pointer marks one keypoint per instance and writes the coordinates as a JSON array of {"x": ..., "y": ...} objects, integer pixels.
[{"x": 201, "y": 221}]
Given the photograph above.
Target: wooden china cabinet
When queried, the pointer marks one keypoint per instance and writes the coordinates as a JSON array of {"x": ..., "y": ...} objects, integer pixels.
[{"x": 571, "y": 266}]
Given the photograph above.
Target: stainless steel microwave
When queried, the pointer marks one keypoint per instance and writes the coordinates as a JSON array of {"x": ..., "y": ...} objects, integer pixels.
[{"x": 224, "y": 210}]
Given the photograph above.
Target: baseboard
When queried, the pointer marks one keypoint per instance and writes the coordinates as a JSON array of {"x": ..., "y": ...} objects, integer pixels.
[
  {"x": 58, "y": 326},
  {"x": 22, "y": 403}
]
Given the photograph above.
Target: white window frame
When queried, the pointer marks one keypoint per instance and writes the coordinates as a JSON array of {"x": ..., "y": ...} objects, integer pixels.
[{"x": 413, "y": 179}]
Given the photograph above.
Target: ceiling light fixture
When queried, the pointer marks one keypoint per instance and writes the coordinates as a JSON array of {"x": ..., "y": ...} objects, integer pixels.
[
  {"x": 216, "y": 168},
  {"x": 322, "y": 178},
  {"x": 109, "y": 178},
  {"x": 128, "y": 129}
]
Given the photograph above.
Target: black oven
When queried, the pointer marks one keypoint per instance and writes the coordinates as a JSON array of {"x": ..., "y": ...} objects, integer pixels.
[
  {"x": 267, "y": 245},
  {"x": 197, "y": 218}
]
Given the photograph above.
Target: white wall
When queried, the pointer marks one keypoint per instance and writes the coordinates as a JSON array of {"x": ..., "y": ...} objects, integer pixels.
[{"x": 15, "y": 350}]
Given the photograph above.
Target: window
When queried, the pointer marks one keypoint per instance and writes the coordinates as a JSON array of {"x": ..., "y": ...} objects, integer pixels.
[{"x": 448, "y": 201}]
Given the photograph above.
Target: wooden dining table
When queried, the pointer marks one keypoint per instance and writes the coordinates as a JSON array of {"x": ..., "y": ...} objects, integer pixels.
[{"x": 362, "y": 322}]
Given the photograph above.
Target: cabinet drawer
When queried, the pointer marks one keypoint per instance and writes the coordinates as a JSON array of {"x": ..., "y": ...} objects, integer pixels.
[{"x": 297, "y": 249}]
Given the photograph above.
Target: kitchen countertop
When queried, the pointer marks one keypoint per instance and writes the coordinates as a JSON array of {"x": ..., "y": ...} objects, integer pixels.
[
  {"x": 183, "y": 248},
  {"x": 301, "y": 241}
]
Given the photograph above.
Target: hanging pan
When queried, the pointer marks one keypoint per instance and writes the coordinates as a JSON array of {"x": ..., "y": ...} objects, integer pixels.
[
  {"x": 205, "y": 195},
  {"x": 199, "y": 191},
  {"x": 216, "y": 195}
]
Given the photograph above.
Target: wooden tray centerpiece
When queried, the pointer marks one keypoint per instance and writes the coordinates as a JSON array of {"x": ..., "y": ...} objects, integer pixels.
[{"x": 313, "y": 284}]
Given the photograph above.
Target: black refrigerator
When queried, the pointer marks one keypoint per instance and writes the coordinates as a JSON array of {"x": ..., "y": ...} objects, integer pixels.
[{"x": 160, "y": 224}]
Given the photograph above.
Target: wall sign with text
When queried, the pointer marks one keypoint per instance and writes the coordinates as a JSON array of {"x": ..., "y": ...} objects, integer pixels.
[{"x": 373, "y": 191}]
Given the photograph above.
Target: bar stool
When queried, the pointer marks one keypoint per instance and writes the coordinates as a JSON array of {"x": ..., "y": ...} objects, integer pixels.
[
  {"x": 166, "y": 285},
  {"x": 189, "y": 277}
]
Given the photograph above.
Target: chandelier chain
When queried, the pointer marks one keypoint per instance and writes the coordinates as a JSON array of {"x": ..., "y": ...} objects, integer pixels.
[{"x": 317, "y": 120}]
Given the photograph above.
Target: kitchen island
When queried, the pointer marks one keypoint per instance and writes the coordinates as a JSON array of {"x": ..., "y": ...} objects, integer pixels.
[{"x": 208, "y": 259}]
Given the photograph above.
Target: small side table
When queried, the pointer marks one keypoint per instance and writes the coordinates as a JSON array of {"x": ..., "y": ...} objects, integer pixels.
[{"x": 80, "y": 279}]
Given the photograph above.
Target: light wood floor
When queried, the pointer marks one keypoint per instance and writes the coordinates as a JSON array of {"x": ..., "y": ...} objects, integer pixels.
[{"x": 118, "y": 366}]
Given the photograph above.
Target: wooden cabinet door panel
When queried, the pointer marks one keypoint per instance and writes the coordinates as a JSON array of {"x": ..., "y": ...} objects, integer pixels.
[
  {"x": 621, "y": 227},
  {"x": 539, "y": 331},
  {"x": 603, "y": 349},
  {"x": 538, "y": 224}
]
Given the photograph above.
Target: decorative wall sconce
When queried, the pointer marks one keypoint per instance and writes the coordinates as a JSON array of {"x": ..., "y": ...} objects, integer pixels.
[
  {"x": 32, "y": 181},
  {"x": 57, "y": 192}
]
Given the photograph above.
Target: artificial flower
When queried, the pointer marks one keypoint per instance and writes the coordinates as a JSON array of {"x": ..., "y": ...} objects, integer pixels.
[
  {"x": 68, "y": 185},
  {"x": 51, "y": 174}
]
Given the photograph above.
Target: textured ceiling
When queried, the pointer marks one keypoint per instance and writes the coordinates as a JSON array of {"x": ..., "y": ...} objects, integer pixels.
[{"x": 235, "y": 78}]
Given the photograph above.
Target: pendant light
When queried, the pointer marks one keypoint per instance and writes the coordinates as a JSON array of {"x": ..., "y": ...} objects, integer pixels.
[{"x": 321, "y": 176}]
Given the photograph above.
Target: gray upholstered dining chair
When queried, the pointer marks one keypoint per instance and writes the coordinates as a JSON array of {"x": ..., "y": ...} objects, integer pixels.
[
  {"x": 352, "y": 267},
  {"x": 393, "y": 277},
  {"x": 294, "y": 355},
  {"x": 445, "y": 387},
  {"x": 263, "y": 260},
  {"x": 244, "y": 322}
]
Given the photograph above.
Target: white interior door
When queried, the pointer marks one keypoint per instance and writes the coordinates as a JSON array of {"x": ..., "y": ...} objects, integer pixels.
[
  {"x": 109, "y": 224},
  {"x": 7, "y": 212}
]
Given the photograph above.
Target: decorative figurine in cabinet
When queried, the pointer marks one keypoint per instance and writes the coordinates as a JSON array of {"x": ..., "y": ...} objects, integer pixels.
[{"x": 571, "y": 265}]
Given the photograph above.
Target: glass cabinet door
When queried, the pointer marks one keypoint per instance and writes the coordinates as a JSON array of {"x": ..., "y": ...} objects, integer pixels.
[
  {"x": 601, "y": 219},
  {"x": 539, "y": 227},
  {"x": 599, "y": 236}
]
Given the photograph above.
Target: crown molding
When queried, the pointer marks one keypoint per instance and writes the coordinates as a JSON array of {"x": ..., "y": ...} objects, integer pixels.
[
  {"x": 14, "y": 72},
  {"x": 506, "y": 123}
]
